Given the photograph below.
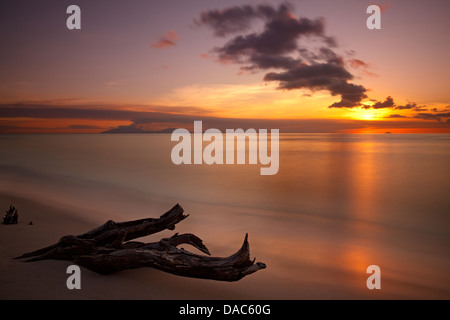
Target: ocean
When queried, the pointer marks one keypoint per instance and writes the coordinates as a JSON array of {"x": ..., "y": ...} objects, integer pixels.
[{"x": 338, "y": 204}]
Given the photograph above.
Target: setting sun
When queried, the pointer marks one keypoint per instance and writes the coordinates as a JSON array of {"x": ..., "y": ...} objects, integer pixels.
[{"x": 368, "y": 114}]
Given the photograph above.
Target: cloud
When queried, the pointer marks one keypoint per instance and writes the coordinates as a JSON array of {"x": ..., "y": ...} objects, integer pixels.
[
  {"x": 94, "y": 112},
  {"x": 310, "y": 76},
  {"x": 114, "y": 83},
  {"x": 280, "y": 48},
  {"x": 407, "y": 106},
  {"x": 45, "y": 111},
  {"x": 388, "y": 103},
  {"x": 48, "y": 117},
  {"x": 166, "y": 40},
  {"x": 356, "y": 63},
  {"x": 414, "y": 107},
  {"x": 441, "y": 117},
  {"x": 411, "y": 106},
  {"x": 279, "y": 37},
  {"x": 272, "y": 40},
  {"x": 383, "y": 7},
  {"x": 234, "y": 19},
  {"x": 8, "y": 128},
  {"x": 432, "y": 116},
  {"x": 163, "y": 119}
]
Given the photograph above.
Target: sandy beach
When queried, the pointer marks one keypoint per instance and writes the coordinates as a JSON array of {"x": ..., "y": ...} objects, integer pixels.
[{"x": 47, "y": 279}]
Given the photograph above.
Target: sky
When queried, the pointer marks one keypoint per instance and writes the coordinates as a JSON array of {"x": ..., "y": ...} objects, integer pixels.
[{"x": 297, "y": 66}]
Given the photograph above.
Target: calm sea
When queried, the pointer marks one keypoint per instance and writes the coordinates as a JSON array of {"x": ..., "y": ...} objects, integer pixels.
[{"x": 339, "y": 203}]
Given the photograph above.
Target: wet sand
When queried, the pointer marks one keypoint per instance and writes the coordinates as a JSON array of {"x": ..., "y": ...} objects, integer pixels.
[{"x": 47, "y": 279}]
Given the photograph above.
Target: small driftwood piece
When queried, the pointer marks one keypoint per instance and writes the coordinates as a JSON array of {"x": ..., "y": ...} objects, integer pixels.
[
  {"x": 107, "y": 249},
  {"x": 11, "y": 216}
]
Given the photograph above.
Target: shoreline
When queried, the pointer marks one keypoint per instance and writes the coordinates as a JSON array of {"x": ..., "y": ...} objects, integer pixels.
[{"x": 46, "y": 279}]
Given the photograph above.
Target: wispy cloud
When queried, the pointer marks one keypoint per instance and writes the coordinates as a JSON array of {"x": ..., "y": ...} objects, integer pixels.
[
  {"x": 363, "y": 66},
  {"x": 114, "y": 83},
  {"x": 80, "y": 118},
  {"x": 167, "y": 40},
  {"x": 44, "y": 110},
  {"x": 383, "y": 6}
]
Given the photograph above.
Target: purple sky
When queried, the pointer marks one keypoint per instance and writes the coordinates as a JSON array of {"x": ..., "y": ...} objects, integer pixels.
[{"x": 152, "y": 53}]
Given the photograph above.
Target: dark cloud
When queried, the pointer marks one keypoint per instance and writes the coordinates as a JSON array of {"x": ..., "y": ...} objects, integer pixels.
[
  {"x": 321, "y": 55},
  {"x": 94, "y": 112},
  {"x": 445, "y": 110},
  {"x": 279, "y": 46},
  {"x": 388, "y": 103},
  {"x": 351, "y": 94},
  {"x": 164, "y": 122},
  {"x": 413, "y": 106},
  {"x": 44, "y": 111},
  {"x": 279, "y": 37},
  {"x": 407, "y": 106},
  {"x": 421, "y": 108},
  {"x": 280, "y": 49},
  {"x": 226, "y": 21},
  {"x": 432, "y": 116},
  {"x": 438, "y": 116},
  {"x": 232, "y": 20},
  {"x": 266, "y": 61},
  {"x": 318, "y": 76}
]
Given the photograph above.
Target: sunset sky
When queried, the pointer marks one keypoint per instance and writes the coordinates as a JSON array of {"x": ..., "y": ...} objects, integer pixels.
[{"x": 298, "y": 66}]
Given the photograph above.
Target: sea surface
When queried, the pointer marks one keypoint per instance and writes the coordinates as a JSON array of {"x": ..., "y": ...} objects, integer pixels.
[{"x": 338, "y": 204}]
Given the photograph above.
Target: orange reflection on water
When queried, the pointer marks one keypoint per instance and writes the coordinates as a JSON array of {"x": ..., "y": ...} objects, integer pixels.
[{"x": 357, "y": 175}]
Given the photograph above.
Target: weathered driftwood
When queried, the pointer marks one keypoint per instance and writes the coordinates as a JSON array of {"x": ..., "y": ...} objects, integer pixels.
[
  {"x": 107, "y": 249},
  {"x": 11, "y": 216}
]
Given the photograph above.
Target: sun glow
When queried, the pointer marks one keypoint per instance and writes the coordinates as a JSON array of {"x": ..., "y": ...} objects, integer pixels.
[
  {"x": 248, "y": 101},
  {"x": 368, "y": 114}
]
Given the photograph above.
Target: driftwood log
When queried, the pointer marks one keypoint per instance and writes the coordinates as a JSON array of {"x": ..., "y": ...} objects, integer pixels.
[
  {"x": 11, "y": 216},
  {"x": 108, "y": 249}
]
